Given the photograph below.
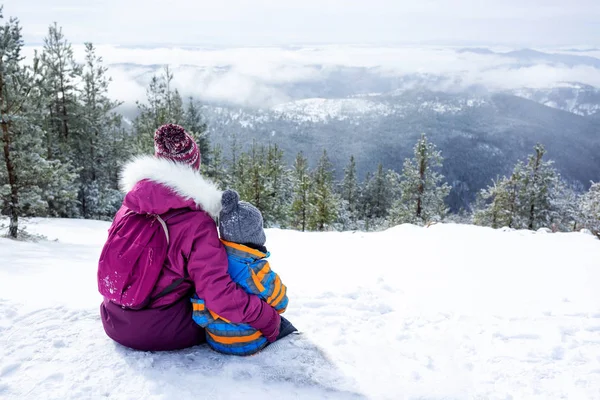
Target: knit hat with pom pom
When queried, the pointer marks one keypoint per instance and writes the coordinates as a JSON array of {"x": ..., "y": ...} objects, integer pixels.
[
  {"x": 239, "y": 221},
  {"x": 174, "y": 143}
]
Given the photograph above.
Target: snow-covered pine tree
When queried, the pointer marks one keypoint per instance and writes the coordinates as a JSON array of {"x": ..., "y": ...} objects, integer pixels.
[
  {"x": 27, "y": 180},
  {"x": 323, "y": 200},
  {"x": 422, "y": 188},
  {"x": 263, "y": 180},
  {"x": 564, "y": 211},
  {"x": 301, "y": 183},
  {"x": 278, "y": 187},
  {"x": 379, "y": 194},
  {"x": 499, "y": 204},
  {"x": 217, "y": 170},
  {"x": 533, "y": 197},
  {"x": 350, "y": 195},
  {"x": 364, "y": 207},
  {"x": 62, "y": 74},
  {"x": 93, "y": 144},
  {"x": 164, "y": 105},
  {"x": 194, "y": 123},
  {"x": 236, "y": 174},
  {"x": 150, "y": 117},
  {"x": 174, "y": 112},
  {"x": 16, "y": 83},
  {"x": 589, "y": 209},
  {"x": 253, "y": 186},
  {"x": 540, "y": 181}
]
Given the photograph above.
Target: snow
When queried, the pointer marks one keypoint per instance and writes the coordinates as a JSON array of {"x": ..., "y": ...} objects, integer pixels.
[
  {"x": 580, "y": 100},
  {"x": 445, "y": 312},
  {"x": 319, "y": 109}
]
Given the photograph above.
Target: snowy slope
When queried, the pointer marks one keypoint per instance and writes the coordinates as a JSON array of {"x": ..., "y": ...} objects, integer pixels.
[
  {"x": 575, "y": 98},
  {"x": 446, "y": 312},
  {"x": 323, "y": 109}
]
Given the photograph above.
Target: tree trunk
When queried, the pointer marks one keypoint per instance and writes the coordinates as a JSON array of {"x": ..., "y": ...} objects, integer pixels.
[
  {"x": 12, "y": 180},
  {"x": 535, "y": 178},
  {"x": 304, "y": 206},
  {"x": 65, "y": 118},
  {"x": 531, "y": 216},
  {"x": 421, "y": 188},
  {"x": 49, "y": 134}
]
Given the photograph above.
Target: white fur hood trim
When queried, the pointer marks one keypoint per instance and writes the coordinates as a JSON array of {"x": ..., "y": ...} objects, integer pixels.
[{"x": 182, "y": 179}]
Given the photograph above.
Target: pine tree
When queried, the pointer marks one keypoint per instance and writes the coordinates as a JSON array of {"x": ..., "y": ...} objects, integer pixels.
[
  {"x": 378, "y": 194},
  {"x": 15, "y": 86},
  {"x": 236, "y": 175},
  {"x": 253, "y": 184},
  {"x": 589, "y": 209},
  {"x": 533, "y": 197},
  {"x": 29, "y": 181},
  {"x": 422, "y": 190},
  {"x": 539, "y": 182},
  {"x": 93, "y": 145},
  {"x": 174, "y": 112},
  {"x": 164, "y": 105},
  {"x": 261, "y": 178},
  {"x": 301, "y": 182},
  {"x": 503, "y": 196},
  {"x": 349, "y": 194},
  {"x": 62, "y": 74},
  {"x": 564, "y": 212},
  {"x": 217, "y": 170},
  {"x": 323, "y": 199},
  {"x": 278, "y": 187},
  {"x": 194, "y": 123}
]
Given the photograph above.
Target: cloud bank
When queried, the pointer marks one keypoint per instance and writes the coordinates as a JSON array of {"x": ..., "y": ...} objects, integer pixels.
[{"x": 267, "y": 76}]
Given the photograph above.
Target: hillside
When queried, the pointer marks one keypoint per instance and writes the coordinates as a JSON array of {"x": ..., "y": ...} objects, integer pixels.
[
  {"x": 456, "y": 312},
  {"x": 481, "y": 136}
]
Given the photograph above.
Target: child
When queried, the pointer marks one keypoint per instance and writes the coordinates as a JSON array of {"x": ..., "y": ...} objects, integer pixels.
[{"x": 241, "y": 230}]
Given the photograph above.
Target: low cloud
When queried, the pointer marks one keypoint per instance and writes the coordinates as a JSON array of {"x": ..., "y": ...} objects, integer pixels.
[{"x": 267, "y": 76}]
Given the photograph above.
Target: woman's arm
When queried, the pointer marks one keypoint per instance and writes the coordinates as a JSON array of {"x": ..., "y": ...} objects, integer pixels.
[{"x": 207, "y": 266}]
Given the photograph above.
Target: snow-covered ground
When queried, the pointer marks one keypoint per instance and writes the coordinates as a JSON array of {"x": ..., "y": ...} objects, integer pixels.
[
  {"x": 318, "y": 109},
  {"x": 445, "y": 312}
]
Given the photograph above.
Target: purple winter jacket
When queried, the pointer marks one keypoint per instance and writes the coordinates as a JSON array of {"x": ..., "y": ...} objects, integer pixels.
[{"x": 157, "y": 186}]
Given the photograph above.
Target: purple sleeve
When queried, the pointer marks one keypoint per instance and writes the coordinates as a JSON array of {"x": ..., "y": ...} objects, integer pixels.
[{"x": 207, "y": 267}]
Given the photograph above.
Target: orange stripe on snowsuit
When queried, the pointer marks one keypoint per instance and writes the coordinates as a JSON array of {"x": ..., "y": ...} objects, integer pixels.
[
  {"x": 275, "y": 291},
  {"x": 235, "y": 339},
  {"x": 244, "y": 249},
  {"x": 197, "y": 307},
  {"x": 280, "y": 297},
  {"x": 257, "y": 282},
  {"x": 265, "y": 270},
  {"x": 217, "y": 316}
]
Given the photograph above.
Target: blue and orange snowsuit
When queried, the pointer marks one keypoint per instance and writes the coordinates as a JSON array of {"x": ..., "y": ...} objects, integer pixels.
[{"x": 250, "y": 269}]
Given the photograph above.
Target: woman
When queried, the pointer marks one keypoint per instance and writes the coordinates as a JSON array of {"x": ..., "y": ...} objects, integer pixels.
[{"x": 167, "y": 192}]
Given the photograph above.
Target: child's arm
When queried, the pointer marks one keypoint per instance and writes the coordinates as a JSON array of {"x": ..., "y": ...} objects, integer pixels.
[{"x": 275, "y": 292}]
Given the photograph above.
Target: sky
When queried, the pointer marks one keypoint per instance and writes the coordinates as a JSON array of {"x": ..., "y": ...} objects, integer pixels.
[
  {"x": 246, "y": 52},
  {"x": 275, "y": 22}
]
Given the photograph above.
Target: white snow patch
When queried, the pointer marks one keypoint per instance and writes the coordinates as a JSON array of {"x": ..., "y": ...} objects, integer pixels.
[
  {"x": 450, "y": 311},
  {"x": 315, "y": 110}
]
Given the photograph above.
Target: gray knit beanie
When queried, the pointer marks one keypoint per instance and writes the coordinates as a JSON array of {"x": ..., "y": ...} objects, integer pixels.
[{"x": 239, "y": 221}]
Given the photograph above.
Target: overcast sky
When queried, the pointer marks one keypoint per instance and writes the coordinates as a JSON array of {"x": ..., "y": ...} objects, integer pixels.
[{"x": 261, "y": 22}]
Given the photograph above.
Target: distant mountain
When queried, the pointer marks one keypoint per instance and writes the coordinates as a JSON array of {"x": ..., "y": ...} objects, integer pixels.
[
  {"x": 481, "y": 137},
  {"x": 377, "y": 113},
  {"x": 530, "y": 57},
  {"x": 576, "y": 98},
  {"x": 224, "y": 84}
]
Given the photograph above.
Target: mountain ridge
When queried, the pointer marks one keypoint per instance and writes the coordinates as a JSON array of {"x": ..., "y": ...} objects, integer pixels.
[{"x": 478, "y": 142}]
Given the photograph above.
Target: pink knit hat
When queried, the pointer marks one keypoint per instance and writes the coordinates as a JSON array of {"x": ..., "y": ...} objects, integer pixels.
[{"x": 174, "y": 143}]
